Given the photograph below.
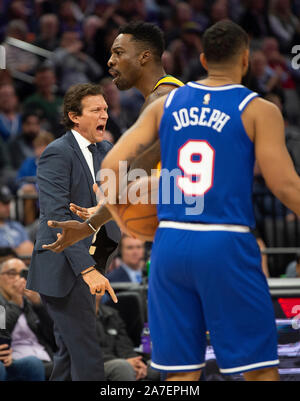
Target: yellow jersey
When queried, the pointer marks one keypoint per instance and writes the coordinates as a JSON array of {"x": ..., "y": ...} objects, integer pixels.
[{"x": 166, "y": 80}]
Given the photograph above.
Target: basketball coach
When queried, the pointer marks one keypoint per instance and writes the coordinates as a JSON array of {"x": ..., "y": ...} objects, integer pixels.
[{"x": 67, "y": 281}]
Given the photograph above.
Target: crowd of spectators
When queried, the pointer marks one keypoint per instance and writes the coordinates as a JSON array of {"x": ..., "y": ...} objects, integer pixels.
[{"x": 50, "y": 45}]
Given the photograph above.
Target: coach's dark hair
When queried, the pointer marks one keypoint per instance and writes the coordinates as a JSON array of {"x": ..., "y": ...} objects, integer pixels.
[
  {"x": 147, "y": 34},
  {"x": 223, "y": 41},
  {"x": 73, "y": 100}
]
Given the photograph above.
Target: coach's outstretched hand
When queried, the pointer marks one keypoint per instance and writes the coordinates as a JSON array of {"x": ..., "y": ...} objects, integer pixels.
[
  {"x": 86, "y": 212},
  {"x": 83, "y": 212},
  {"x": 73, "y": 231}
]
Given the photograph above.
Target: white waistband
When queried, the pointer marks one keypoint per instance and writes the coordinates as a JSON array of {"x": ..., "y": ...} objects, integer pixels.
[{"x": 203, "y": 227}]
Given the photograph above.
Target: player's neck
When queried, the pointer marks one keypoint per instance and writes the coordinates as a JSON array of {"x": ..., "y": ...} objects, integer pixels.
[
  {"x": 220, "y": 78},
  {"x": 148, "y": 80}
]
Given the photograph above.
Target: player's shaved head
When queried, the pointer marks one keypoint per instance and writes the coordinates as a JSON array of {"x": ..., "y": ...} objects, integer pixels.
[{"x": 224, "y": 41}]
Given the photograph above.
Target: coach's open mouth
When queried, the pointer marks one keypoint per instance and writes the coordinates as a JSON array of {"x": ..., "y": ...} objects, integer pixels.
[{"x": 101, "y": 127}]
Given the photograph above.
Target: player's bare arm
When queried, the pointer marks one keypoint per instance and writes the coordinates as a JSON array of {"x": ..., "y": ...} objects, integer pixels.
[
  {"x": 162, "y": 90},
  {"x": 264, "y": 124},
  {"x": 149, "y": 159},
  {"x": 137, "y": 139}
]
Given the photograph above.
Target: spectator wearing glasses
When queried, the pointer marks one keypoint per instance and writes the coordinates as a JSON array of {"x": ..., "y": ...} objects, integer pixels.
[{"x": 28, "y": 327}]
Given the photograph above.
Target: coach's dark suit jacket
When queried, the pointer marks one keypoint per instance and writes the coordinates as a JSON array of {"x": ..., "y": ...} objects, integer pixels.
[
  {"x": 119, "y": 275},
  {"x": 63, "y": 177}
]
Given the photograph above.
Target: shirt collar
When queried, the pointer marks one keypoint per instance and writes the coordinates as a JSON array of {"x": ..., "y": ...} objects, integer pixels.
[
  {"x": 81, "y": 140},
  {"x": 132, "y": 273}
]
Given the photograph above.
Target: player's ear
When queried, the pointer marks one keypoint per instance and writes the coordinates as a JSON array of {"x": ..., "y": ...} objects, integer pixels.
[
  {"x": 145, "y": 57},
  {"x": 203, "y": 61}
]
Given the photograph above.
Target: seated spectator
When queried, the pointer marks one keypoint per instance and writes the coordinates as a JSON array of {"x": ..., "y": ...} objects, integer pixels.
[
  {"x": 45, "y": 102},
  {"x": 186, "y": 48},
  {"x": 23, "y": 10},
  {"x": 26, "y": 178},
  {"x": 106, "y": 36},
  {"x": 25, "y": 369},
  {"x": 29, "y": 166},
  {"x": 70, "y": 16},
  {"x": 10, "y": 118},
  {"x": 90, "y": 26},
  {"x": 199, "y": 14},
  {"x": 48, "y": 35},
  {"x": 288, "y": 77},
  {"x": 255, "y": 19},
  {"x": 263, "y": 78},
  {"x": 121, "y": 362},
  {"x": 284, "y": 24},
  {"x": 22, "y": 147},
  {"x": 18, "y": 59},
  {"x": 12, "y": 233},
  {"x": 132, "y": 261},
  {"x": 129, "y": 10},
  {"x": 293, "y": 268},
  {"x": 27, "y": 323},
  {"x": 292, "y": 131},
  {"x": 181, "y": 14},
  {"x": 219, "y": 10},
  {"x": 72, "y": 65},
  {"x": 6, "y": 168}
]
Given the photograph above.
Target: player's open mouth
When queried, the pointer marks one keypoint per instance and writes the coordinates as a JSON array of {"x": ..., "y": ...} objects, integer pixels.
[{"x": 115, "y": 74}]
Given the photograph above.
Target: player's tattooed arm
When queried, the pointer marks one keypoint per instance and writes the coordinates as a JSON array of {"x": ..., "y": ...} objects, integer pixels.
[
  {"x": 139, "y": 138},
  {"x": 149, "y": 158},
  {"x": 162, "y": 90}
]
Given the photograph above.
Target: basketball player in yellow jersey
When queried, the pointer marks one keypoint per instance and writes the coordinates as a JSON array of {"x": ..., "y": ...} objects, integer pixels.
[{"x": 135, "y": 62}]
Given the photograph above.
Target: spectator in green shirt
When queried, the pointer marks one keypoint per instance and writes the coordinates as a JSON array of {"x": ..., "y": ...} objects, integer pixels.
[{"x": 45, "y": 102}]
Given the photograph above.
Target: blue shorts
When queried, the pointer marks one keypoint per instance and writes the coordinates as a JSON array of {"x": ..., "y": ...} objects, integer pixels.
[{"x": 209, "y": 281}]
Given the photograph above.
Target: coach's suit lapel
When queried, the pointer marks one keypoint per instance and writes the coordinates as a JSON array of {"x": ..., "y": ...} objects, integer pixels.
[{"x": 71, "y": 139}]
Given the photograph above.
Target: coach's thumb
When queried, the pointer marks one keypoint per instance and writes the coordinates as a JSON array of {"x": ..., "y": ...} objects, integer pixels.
[{"x": 54, "y": 224}]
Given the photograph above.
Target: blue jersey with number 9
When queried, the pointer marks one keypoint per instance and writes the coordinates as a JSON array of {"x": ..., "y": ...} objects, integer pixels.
[{"x": 207, "y": 157}]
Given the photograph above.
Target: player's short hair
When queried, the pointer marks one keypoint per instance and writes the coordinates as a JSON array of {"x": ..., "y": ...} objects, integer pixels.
[
  {"x": 73, "y": 100},
  {"x": 148, "y": 35},
  {"x": 223, "y": 41}
]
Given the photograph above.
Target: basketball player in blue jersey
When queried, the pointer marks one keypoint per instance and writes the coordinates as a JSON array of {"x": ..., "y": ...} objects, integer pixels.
[{"x": 206, "y": 269}]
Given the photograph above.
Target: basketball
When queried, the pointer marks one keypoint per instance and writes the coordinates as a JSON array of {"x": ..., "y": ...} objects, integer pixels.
[{"x": 138, "y": 216}]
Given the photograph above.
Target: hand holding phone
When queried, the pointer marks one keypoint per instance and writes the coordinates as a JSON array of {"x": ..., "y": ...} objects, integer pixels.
[
  {"x": 6, "y": 352},
  {"x": 5, "y": 340}
]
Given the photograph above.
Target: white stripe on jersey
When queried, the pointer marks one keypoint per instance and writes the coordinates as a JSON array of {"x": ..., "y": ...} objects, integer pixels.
[
  {"x": 203, "y": 227},
  {"x": 170, "y": 97},
  {"x": 213, "y": 88},
  {"x": 247, "y": 99}
]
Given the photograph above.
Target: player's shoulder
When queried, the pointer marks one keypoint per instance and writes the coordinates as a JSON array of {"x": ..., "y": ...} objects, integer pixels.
[
  {"x": 162, "y": 90},
  {"x": 262, "y": 107},
  {"x": 155, "y": 102}
]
